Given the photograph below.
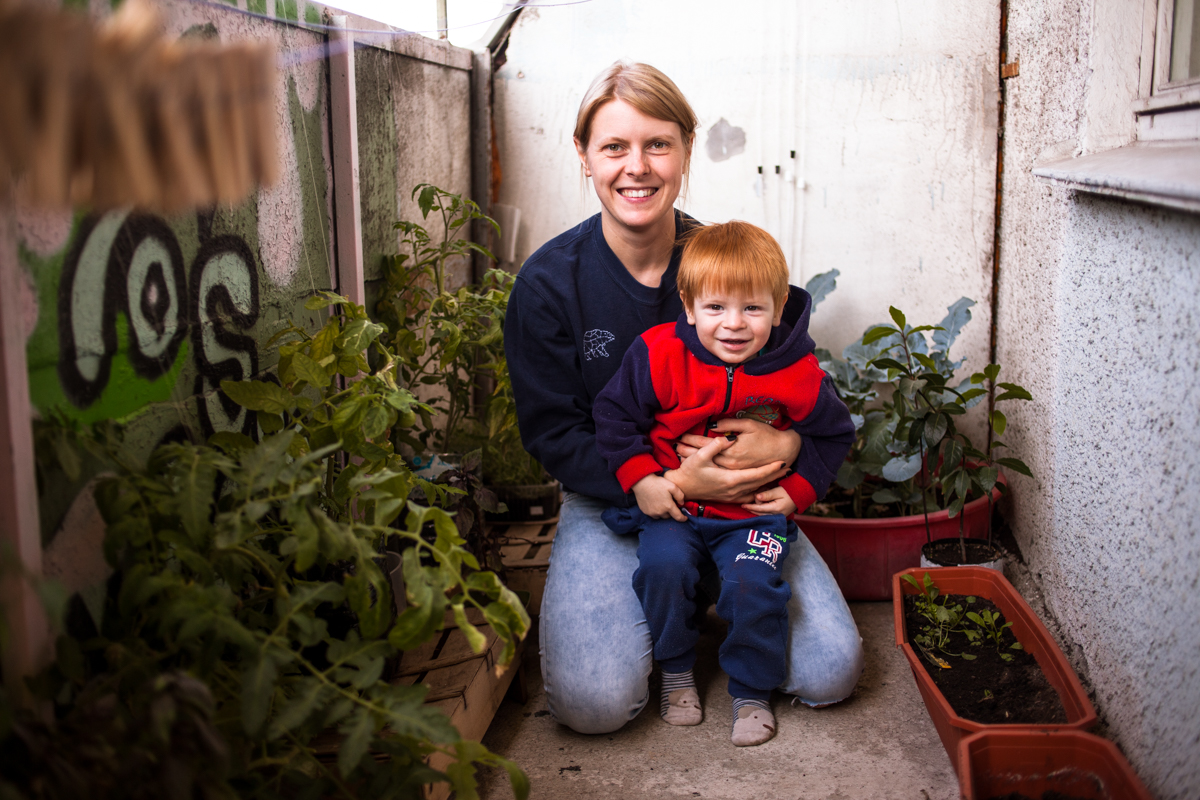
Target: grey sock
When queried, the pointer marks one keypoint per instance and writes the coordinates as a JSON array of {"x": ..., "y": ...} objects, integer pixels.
[
  {"x": 679, "y": 702},
  {"x": 753, "y": 722}
]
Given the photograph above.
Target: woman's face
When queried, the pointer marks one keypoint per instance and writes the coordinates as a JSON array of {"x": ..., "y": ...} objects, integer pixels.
[{"x": 636, "y": 163}]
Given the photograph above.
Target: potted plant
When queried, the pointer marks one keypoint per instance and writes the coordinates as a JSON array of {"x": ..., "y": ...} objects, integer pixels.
[
  {"x": 218, "y": 664},
  {"x": 943, "y": 602},
  {"x": 913, "y": 475},
  {"x": 450, "y": 351},
  {"x": 1045, "y": 764}
]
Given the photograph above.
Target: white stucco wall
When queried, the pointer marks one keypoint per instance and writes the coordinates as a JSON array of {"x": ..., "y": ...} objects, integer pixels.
[
  {"x": 1098, "y": 317},
  {"x": 890, "y": 108}
]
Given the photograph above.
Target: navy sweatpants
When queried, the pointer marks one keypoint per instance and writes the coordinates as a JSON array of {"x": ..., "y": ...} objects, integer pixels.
[{"x": 749, "y": 554}]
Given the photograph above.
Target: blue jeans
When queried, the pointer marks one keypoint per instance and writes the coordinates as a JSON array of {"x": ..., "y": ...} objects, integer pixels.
[{"x": 596, "y": 648}]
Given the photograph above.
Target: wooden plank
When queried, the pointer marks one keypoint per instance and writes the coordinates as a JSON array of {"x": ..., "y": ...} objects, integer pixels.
[{"x": 525, "y": 550}]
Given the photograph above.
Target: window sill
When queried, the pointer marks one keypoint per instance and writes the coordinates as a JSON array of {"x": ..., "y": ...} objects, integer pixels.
[{"x": 1159, "y": 173}]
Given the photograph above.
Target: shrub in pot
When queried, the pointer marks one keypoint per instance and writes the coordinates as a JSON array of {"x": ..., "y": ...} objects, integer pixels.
[
  {"x": 216, "y": 666},
  {"x": 451, "y": 344},
  {"x": 912, "y": 471}
]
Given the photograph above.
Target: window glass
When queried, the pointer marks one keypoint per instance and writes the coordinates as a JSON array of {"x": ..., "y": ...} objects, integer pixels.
[{"x": 1185, "y": 41}]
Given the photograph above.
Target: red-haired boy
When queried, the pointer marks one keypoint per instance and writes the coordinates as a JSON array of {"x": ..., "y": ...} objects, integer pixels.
[{"x": 728, "y": 355}]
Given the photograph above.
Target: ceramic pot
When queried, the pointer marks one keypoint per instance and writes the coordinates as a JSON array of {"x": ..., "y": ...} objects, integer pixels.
[
  {"x": 1032, "y": 763},
  {"x": 1028, "y": 629},
  {"x": 863, "y": 554},
  {"x": 979, "y": 554}
]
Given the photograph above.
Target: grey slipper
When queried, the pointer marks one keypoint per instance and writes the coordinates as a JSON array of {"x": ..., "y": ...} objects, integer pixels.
[
  {"x": 752, "y": 726},
  {"x": 683, "y": 707}
]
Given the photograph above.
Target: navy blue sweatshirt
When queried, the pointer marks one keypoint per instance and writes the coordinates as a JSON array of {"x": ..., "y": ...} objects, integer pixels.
[{"x": 573, "y": 313}]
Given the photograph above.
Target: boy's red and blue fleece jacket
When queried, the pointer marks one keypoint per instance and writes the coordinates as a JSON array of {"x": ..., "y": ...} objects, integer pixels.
[{"x": 669, "y": 385}]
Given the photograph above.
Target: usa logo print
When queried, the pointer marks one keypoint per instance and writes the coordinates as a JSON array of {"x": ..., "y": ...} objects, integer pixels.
[{"x": 766, "y": 543}]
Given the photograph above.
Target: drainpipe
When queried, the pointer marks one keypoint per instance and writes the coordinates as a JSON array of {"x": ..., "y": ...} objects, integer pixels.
[
  {"x": 343, "y": 124},
  {"x": 1006, "y": 71}
]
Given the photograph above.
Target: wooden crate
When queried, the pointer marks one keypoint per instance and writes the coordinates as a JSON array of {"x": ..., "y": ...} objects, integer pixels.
[
  {"x": 525, "y": 550},
  {"x": 462, "y": 683}
]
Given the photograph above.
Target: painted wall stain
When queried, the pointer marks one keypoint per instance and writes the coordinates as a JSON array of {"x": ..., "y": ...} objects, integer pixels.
[{"x": 725, "y": 141}]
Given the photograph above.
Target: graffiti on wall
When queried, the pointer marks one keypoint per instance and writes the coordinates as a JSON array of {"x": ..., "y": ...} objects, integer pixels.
[{"x": 132, "y": 266}]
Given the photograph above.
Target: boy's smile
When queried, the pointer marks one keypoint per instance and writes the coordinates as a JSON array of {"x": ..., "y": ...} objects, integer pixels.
[{"x": 733, "y": 326}]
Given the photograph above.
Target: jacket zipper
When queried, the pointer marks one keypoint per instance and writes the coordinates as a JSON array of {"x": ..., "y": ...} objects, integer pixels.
[{"x": 728, "y": 386}]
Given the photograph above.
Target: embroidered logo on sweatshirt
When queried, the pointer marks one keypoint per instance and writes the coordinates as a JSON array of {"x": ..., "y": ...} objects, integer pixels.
[
  {"x": 594, "y": 342},
  {"x": 761, "y": 413},
  {"x": 763, "y": 547}
]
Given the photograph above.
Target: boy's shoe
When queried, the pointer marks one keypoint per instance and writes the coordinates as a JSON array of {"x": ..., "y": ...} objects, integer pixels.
[
  {"x": 682, "y": 707},
  {"x": 752, "y": 725}
]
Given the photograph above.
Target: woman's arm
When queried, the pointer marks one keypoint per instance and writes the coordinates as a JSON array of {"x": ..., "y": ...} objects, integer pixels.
[
  {"x": 702, "y": 479},
  {"x": 756, "y": 444},
  {"x": 554, "y": 417}
]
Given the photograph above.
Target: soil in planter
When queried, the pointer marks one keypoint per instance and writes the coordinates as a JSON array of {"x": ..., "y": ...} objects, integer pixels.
[
  {"x": 1020, "y": 692},
  {"x": 947, "y": 552}
]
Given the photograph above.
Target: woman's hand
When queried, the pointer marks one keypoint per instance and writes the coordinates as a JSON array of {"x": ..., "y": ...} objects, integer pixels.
[
  {"x": 771, "y": 501},
  {"x": 757, "y": 444},
  {"x": 702, "y": 479},
  {"x": 657, "y": 497}
]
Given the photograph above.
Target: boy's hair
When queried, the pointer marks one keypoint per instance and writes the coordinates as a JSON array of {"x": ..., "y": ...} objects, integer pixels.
[{"x": 732, "y": 257}]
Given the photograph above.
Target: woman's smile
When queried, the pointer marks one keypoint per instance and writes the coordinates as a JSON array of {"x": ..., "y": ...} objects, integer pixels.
[{"x": 636, "y": 163}]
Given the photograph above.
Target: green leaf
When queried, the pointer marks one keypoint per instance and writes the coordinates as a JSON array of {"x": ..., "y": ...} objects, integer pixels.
[
  {"x": 324, "y": 299},
  {"x": 1013, "y": 392},
  {"x": 258, "y": 686},
  {"x": 359, "y": 333},
  {"x": 358, "y": 732},
  {"x": 308, "y": 370},
  {"x": 935, "y": 429},
  {"x": 1016, "y": 465},
  {"x": 195, "y": 482},
  {"x": 957, "y": 316},
  {"x": 475, "y": 639},
  {"x": 259, "y": 396},
  {"x": 297, "y": 711},
  {"x": 991, "y": 371},
  {"x": 877, "y": 333},
  {"x": 897, "y": 317},
  {"x": 888, "y": 363},
  {"x": 821, "y": 285},
  {"x": 999, "y": 422}
]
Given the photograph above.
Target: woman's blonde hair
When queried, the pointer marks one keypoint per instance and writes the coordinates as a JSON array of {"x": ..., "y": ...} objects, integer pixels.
[
  {"x": 649, "y": 91},
  {"x": 732, "y": 257}
]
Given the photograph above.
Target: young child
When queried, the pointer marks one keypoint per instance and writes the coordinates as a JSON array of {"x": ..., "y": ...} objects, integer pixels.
[{"x": 728, "y": 355}]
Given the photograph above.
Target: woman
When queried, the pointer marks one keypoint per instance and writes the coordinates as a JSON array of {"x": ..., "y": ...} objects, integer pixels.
[{"x": 576, "y": 306}]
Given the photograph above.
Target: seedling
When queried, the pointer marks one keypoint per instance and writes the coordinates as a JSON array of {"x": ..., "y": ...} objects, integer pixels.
[{"x": 987, "y": 621}]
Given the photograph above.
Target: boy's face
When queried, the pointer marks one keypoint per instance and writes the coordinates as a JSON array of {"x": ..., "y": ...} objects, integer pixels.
[{"x": 733, "y": 326}]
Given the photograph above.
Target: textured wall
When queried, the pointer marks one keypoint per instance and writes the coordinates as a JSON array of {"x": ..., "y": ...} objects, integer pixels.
[
  {"x": 890, "y": 109},
  {"x": 139, "y": 317},
  {"x": 1098, "y": 318}
]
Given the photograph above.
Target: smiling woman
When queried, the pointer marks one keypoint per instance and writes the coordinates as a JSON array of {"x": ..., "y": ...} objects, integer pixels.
[{"x": 576, "y": 307}]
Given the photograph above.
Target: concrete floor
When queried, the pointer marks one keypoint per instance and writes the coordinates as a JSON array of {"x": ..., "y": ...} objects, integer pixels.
[{"x": 878, "y": 745}]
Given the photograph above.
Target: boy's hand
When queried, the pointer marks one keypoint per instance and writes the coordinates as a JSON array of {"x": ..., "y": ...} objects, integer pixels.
[
  {"x": 771, "y": 501},
  {"x": 657, "y": 497}
]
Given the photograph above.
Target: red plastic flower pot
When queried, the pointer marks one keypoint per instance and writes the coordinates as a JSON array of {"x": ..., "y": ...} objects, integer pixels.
[
  {"x": 1072, "y": 763},
  {"x": 863, "y": 554},
  {"x": 1030, "y": 632}
]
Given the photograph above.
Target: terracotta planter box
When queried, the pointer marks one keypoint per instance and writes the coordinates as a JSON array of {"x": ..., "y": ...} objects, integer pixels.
[
  {"x": 863, "y": 554},
  {"x": 1073, "y": 763},
  {"x": 1028, "y": 629}
]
